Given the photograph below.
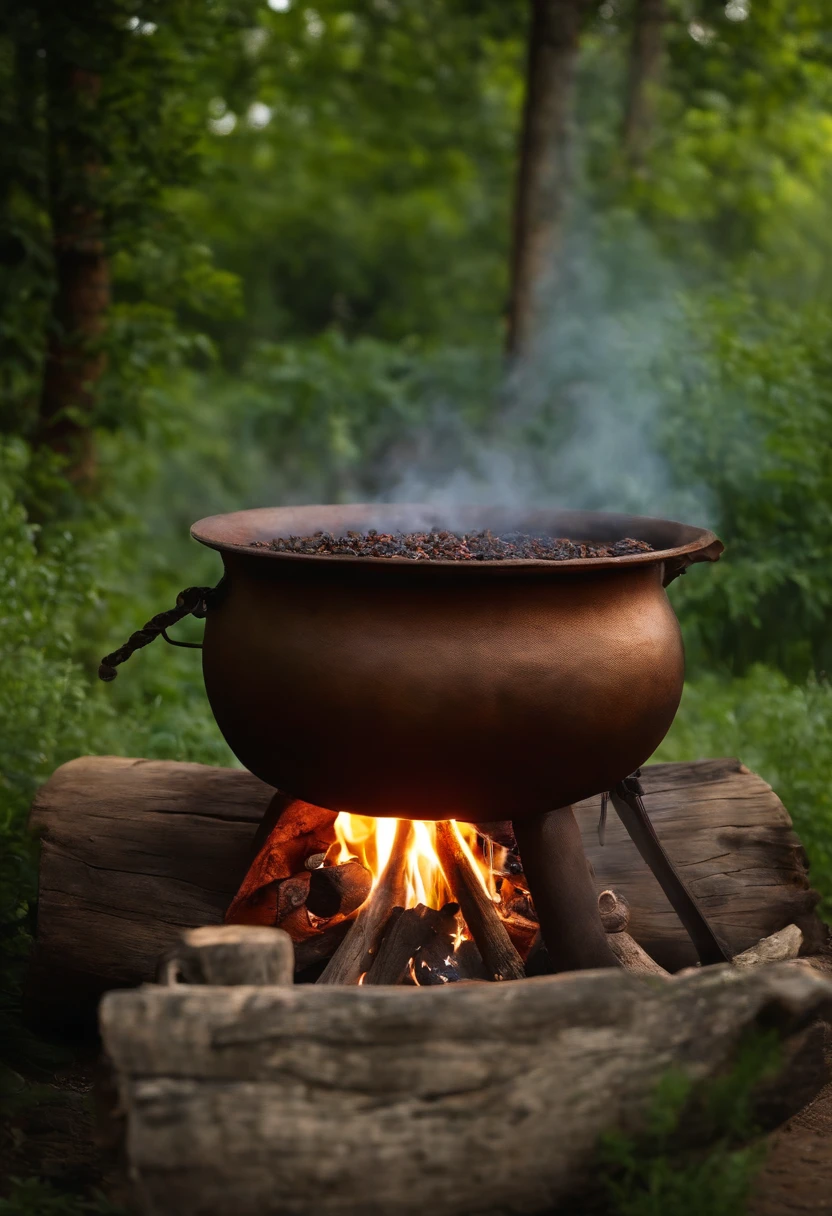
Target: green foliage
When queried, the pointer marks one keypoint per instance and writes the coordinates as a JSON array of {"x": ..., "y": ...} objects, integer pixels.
[
  {"x": 749, "y": 416},
  {"x": 647, "y": 1175}
]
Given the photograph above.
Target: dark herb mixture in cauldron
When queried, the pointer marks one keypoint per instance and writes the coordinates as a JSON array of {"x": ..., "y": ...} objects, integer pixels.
[{"x": 451, "y": 546}]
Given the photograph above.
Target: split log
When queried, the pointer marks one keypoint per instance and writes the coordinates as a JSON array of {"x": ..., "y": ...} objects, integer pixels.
[
  {"x": 775, "y": 949},
  {"x": 407, "y": 932},
  {"x": 225, "y": 1113},
  {"x": 321, "y": 947},
  {"x": 134, "y": 851},
  {"x": 231, "y": 955},
  {"x": 354, "y": 956},
  {"x": 338, "y": 890},
  {"x": 482, "y": 918}
]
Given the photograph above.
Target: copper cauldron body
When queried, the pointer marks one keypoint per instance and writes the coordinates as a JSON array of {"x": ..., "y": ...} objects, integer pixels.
[{"x": 436, "y": 690}]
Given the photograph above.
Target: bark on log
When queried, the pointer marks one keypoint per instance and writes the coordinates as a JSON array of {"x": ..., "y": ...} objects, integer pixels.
[
  {"x": 226, "y": 1114},
  {"x": 229, "y": 955},
  {"x": 134, "y": 851}
]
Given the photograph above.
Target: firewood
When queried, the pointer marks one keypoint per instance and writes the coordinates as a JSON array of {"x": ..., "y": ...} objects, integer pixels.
[
  {"x": 481, "y": 916},
  {"x": 335, "y": 890},
  {"x": 774, "y": 949},
  {"x": 230, "y": 954},
  {"x": 521, "y": 931},
  {"x": 492, "y": 1097},
  {"x": 321, "y": 946},
  {"x": 469, "y": 962},
  {"x": 514, "y": 898},
  {"x": 407, "y": 933},
  {"x": 614, "y": 911},
  {"x": 615, "y": 917},
  {"x": 134, "y": 850},
  {"x": 631, "y": 956},
  {"x": 354, "y": 955}
]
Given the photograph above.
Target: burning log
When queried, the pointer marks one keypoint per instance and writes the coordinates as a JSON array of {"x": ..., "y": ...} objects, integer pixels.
[
  {"x": 354, "y": 955},
  {"x": 321, "y": 947},
  {"x": 338, "y": 890},
  {"x": 408, "y": 932},
  {"x": 134, "y": 850},
  {"x": 481, "y": 916},
  {"x": 521, "y": 931},
  {"x": 229, "y": 955}
]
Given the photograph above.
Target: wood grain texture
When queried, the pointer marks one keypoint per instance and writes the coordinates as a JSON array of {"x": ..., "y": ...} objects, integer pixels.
[
  {"x": 460, "y": 1099},
  {"x": 134, "y": 851}
]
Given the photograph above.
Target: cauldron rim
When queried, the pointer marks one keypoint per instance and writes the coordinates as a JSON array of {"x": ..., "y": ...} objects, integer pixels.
[{"x": 234, "y": 533}]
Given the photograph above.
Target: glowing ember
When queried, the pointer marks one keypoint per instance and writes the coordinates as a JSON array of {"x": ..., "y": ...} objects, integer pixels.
[{"x": 371, "y": 841}]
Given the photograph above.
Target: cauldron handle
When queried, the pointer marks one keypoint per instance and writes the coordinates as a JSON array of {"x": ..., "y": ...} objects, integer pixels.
[{"x": 193, "y": 601}]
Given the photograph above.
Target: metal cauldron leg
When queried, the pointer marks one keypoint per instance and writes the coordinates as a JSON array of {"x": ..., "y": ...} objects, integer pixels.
[
  {"x": 561, "y": 886},
  {"x": 627, "y": 800}
]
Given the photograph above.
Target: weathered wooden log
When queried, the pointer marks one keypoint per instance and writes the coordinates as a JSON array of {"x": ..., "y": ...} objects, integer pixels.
[
  {"x": 482, "y": 918},
  {"x": 229, "y": 955},
  {"x": 225, "y": 1113},
  {"x": 136, "y": 850},
  {"x": 354, "y": 955}
]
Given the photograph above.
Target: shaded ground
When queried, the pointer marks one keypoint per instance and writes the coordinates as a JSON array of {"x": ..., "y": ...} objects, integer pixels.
[{"x": 797, "y": 1176}]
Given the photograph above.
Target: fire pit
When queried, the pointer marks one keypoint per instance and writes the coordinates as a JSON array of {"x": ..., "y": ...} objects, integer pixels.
[{"x": 467, "y": 690}]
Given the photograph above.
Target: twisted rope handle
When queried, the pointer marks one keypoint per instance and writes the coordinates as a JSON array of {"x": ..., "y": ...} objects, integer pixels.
[{"x": 193, "y": 601}]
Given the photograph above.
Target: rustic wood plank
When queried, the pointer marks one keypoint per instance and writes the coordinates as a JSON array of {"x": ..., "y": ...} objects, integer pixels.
[
  {"x": 134, "y": 851},
  {"x": 464, "y": 1098}
]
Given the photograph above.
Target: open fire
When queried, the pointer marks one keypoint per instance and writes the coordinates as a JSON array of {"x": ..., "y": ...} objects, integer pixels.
[
  {"x": 375, "y": 901},
  {"x": 371, "y": 841}
]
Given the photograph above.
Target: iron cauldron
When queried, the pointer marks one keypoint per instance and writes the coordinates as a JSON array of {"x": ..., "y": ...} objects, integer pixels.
[{"x": 436, "y": 690}]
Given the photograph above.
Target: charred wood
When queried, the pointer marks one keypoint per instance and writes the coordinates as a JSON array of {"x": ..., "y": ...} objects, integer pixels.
[
  {"x": 338, "y": 890},
  {"x": 407, "y": 933},
  {"x": 355, "y": 954},
  {"x": 481, "y": 916}
]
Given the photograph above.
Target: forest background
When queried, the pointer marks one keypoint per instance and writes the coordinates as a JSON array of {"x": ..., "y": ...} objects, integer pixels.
[{"x": 254, "y": 253}]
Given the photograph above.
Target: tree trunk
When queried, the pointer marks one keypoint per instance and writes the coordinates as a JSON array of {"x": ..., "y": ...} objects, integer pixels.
[
  {"x": 545, "y": 171},
  {"x": 646, "y": 54},
  {"x": 74, "y": 360}
]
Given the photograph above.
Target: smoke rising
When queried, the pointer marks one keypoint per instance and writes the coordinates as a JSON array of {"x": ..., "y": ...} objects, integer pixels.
[{"x": 582, "y": 423}]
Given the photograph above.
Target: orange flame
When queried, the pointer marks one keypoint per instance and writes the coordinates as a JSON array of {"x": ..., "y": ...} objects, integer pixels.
[{"x": 371, "y": 841}]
